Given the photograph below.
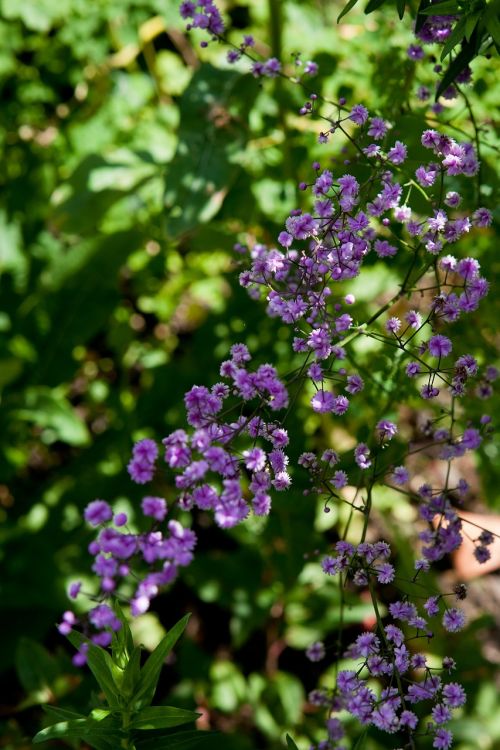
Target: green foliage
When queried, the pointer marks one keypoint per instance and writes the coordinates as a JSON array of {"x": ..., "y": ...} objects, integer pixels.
[
  {"x": 476, "y": 30},
  {"x": 128, "y": 690}
]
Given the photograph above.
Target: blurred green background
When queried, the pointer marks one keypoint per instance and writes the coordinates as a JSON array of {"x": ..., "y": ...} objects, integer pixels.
[{"x": 132, "y": 163}]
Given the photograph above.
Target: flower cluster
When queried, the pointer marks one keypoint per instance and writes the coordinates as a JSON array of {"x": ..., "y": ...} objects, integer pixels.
[
  {"x": 230, "y": 456},
  {"x": 202, "y": 14},
  {"x": 388, "y": 656},
  {"x": 219, "y": 466}
]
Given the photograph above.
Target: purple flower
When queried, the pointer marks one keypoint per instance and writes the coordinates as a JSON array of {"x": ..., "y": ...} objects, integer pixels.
[
  {"x": 386, "y": 429},
  {"x": 316, "y": 651},
  {"x": 323, "y": 401},
  {"x": 415, "y": 52},
  {"x": 454, "y": 694},
  {"x": 385, "y": 573},
  {"x": 442, "y": 739},
  {"x": 140, "y": 471},
  {"x": 482, "y": 217},
  {"x": 339, "y": 479},
  {"x": 310, "y": 68},
  {"x": 393, "y": 325},
  {"x": 441, "y": 713},
  {"x": 397, "y": 153},
  {"x": 97, "y": 512},
  {"x": 439, "y": 346},
  {"x": 156, "y": 507},
  {"x": 120, "y": 519},
  {"x": 454, "y": 620},
  {"x": 103, "y": 616},
  {"x": 74, "y": 589},
  {"x": 431, "y": 605},
  {"x": 359, "y": 114},
  {"x": 400, "y": 475},
  {"x": 361, "y": 456},
  {"x": 378, "y": 128}
]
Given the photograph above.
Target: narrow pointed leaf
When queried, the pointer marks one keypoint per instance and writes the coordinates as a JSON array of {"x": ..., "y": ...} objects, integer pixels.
[
  {"x": 62, "y": 713},
  {"x": 101, "y": 666},
  {"x": 122, "y": 644},
  {"x": 162, "y": 717},
  {"x": 349, "y": 6},
  {"x": 80, "y": 729},
  {"x": 132, "y": 673},
  {"x": 373, "y": 5},
  {"x": 456, "y": 66},
  {"x": 150, "y": 673},
  {"x": 455, "y": 37},
  {"x": 440, "y": 9},
  {"x": 290, "y": 743}
]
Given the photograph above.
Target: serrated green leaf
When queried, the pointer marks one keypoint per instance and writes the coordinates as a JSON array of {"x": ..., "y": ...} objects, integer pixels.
[
  {"x": 177, "y": 741},
  {"x": 162, "y": 717},
  {"x": 349, "y": 6},
  {"x": 102, "y": 667},
  {"x": 290, "y": 743},
  {"x": 150, "y": 672}
]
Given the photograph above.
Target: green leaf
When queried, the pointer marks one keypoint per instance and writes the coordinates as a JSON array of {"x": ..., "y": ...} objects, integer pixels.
[
  {"x": 37, "y": 15},
  {"x": 177, "y": 741},
  {"x": 349, "y": 6},
  {"x": 360, "y": 741},
  {"x": 455, "y": 37},
  {"x": 35, "y": 667},
  {"x": 122, "y": 644},
  {"x": 470, "y": 24},
  {"x": 211, "y": 138},
  {"x": 400, "y": 6},
  {"x": 49, "y": 409},
  {"x": 150, "y": 673},
  {"x": 162, "y": 717},
  {"x": 64, "y": 714},
  {"x": 456, "y": 66},
  {"x": 81, "y": 729},
  {"x": 101, "y": 666},
  {"x": 438, "y": 9},
  {"x": 132, "y": 673},
  {"x": 12, "y": 258},
  {"x": 492, "y": 24},
  {"x": 373, "y": 5},
  {"x": 290, "y": 743},
  {"x": 421, "y": 18}
]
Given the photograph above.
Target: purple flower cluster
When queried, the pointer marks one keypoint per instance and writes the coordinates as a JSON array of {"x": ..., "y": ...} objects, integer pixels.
[
  {"x": 120, "y": 556},
  {"x": 389, "y": 656},
  {"x": 214, "y": 462},
  {"x": 202, "y": 14},
  {"x": 328, "y": 244}
]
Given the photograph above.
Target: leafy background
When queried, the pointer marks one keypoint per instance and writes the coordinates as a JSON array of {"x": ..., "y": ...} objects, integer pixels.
[{"x": 132, "y": 162}]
